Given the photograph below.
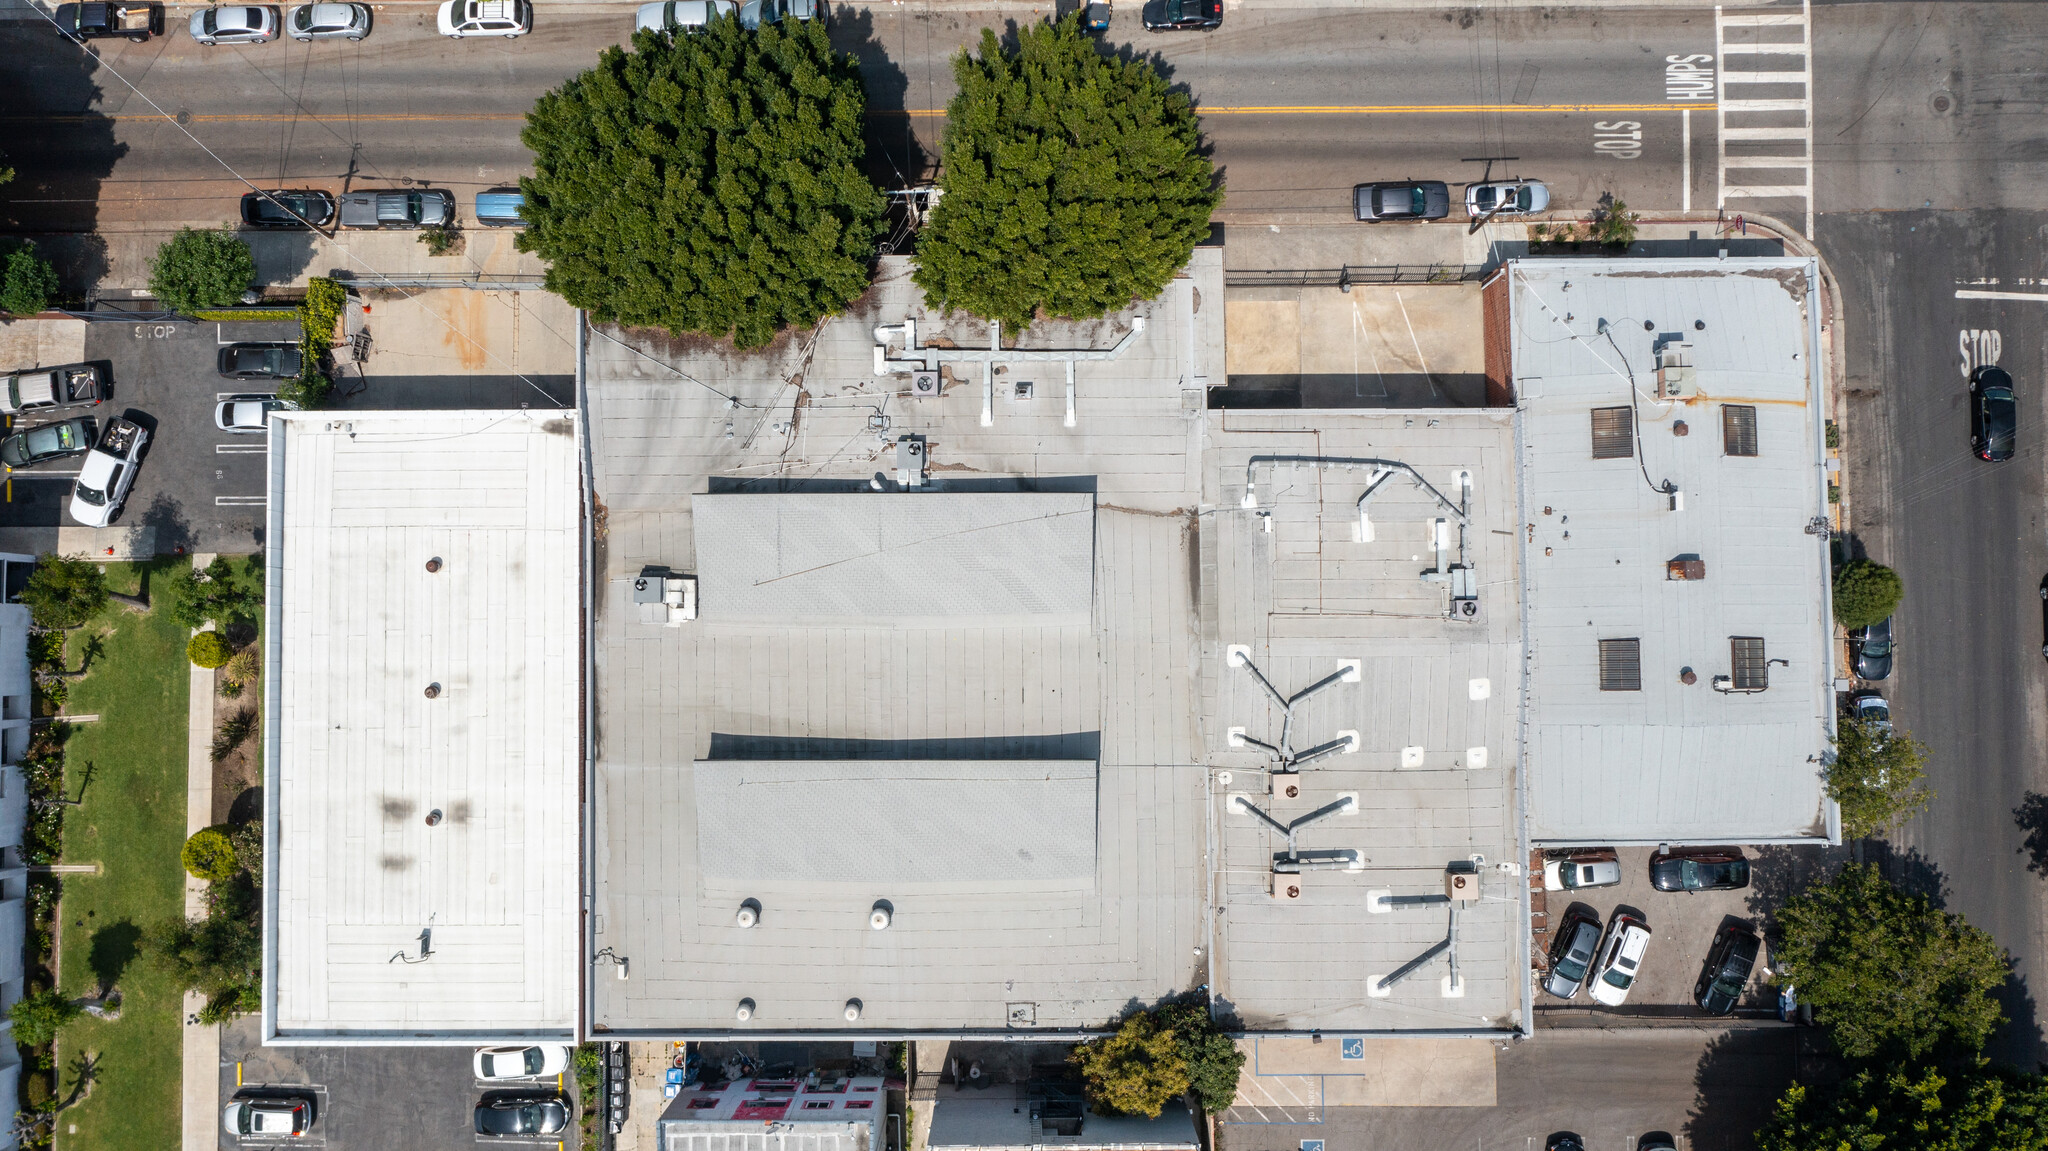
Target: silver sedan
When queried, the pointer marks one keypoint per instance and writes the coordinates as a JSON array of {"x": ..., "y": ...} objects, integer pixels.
[
  {"x": 236, "y": 24},
  {"x": 329, "y": 22}
]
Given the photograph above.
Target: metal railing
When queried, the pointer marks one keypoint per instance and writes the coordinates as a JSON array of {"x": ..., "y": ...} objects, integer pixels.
[
  {"x": 1350, "y": 274},
  {"x": 477, "y": 281}
]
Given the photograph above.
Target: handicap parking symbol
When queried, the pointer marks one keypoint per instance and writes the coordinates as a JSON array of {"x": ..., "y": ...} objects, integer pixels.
[
  {"x": 1354, "y": 1048},
  {"x": 1311, "y": 1145}
]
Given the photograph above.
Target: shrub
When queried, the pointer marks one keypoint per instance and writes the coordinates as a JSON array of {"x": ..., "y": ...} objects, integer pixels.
[
  {"x": 246, "y": 668},
  {"x": 46, "y": 648},
  {"x": 233, "y": 731},
  {"x": 309, "y": 389},
  {"x": 248, "y": 843},
  {"x": 1865, "y": 593},
  {"x": 54, "y": 693},
  {"x": 29, "y": 282},
  {"x": 208, "y": 650},
  {"x": 439, "y": 239},
  {"x": 1214, "y": 1062},
  {"x": 213, "y": 596},
  {"x": 208, "y": 855},
  {"x": 1613, "y": 223},
  {"x": 1136, "y": 1070},
  {"x": 201, "y": 268},
  {"x": 64, "y": 591},
  {"x": 38, "y": 1017}
]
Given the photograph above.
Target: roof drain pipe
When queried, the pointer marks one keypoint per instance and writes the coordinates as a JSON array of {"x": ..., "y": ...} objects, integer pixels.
[{"x": 928, "y": 359}]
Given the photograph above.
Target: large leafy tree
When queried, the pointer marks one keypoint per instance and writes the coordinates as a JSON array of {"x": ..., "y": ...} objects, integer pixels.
[
  {"x": 1888, "y": 972},
  {"x": 709, "y": 183},
  {"x": 1865, "y": 592},
  {"x": 1214, "y": 1062},
  {"x": 1136, "y": 1070},
  {"x": 199, "y": 268},
  {"x": 1073, "y": 181},
  {"x": 64, "y": 591},
  {"x": 1971, "y": 1107},
  {"x": 28, "y": 282},
  {"x": 1876, "y": 777}
]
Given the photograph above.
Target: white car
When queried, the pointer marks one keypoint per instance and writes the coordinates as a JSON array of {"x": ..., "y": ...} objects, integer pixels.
[
  {"x": 245, "y": 415},
  {"x": 240, "y": 24},
  {"x": 1571, "y": 872},
  {"x": 499, "y": 1063},
  {"x": 107, "y": 473},
  {"x": 459, "y": 19},
  {"x": 271, "y": 1118},
  {"x": 1506, "y": 198},
  {"x": 329, "y": 22},
  {"x": 681, "y": 15},
  {"x": 1620, "y": 959}
]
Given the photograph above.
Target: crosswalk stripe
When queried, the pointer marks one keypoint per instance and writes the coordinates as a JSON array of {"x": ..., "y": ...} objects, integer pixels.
[{"x": 1798, "y": 167}]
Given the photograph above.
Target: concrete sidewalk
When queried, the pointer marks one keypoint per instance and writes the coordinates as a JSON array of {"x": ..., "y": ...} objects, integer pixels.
[
  {"x": 201, "y": 1078},
  {"x": 286, "y": 260}
]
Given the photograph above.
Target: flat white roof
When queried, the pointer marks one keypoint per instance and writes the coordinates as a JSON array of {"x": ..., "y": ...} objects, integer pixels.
[
  {"x": 1669, "y": 761},
  {"x": 378, "y": 926}
]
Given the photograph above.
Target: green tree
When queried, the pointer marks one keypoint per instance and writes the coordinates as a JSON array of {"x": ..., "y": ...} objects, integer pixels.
[
  {"x": 1213, "y": 1060},
  {"x": 1136, "y": 1070},
  {"x": 216, "y": 595},
  {"x": 1971, "y": 1107},
  {"x": 208, "y": 650},
  {"x": 201, "y": 268},
  {"x": 64, "y": 591},
  {"x": 29, "y": 282},
  {"x": 706, "y": 183},
  {"x": 219, "y": 956},
  {"x": 209, "y": 855},
  {"x": 1876, "y": 777},
  {"x": 1888, "y": 972},
  {"x": 1074, "y": 181},
  {"x": 1613, "y": 223},
  {"x": 38, "y": 1016},
  {"x": 1865, "y": 593}
]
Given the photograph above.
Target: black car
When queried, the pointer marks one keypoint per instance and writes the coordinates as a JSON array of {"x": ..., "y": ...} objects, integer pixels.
[
  {"x": 521, "y": 1115},
  {"x": 1578, "y": 937},
  {"x": 1402, "y": 200},
  {"x": 1728, "y": 964},
  {"x": 1994, "y": 417},
  {"x": 301, "y": 208},
  {"x": 49, "y": 442},
  {"x": 1699, "y": 869},
  {"x": 260, "y": 362},
  {"x": 1177, "y": 15},
  {"x": 1873, "y": 649},
  {"x": 1564, "y": 1141}
]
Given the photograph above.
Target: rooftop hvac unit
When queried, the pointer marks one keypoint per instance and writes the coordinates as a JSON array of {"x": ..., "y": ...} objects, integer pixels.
[
  {"x": 1675, "y": 380},
  {"x": 1286, "y": 887},
  {"x": 924, "y": 385},
  {"x": 1461, "y": 881}
]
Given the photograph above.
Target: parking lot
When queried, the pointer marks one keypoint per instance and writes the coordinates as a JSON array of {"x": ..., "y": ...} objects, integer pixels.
[
  {"x": 369, "y": 1098},
  {"x": 1682, "y": 928}
]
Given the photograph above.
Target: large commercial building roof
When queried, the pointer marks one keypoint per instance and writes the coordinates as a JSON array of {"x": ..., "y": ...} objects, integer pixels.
[
  {"x": 422, "y": 744},
  {"x": 1675, "y": 554}
]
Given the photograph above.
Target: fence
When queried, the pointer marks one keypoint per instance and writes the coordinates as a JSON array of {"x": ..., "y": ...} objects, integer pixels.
[{"x": 1350, "y": 274}]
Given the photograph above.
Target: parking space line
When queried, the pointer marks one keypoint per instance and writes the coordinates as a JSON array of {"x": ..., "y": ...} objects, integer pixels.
[
  {"x": 240, "y": 501},
  {"x": 240, "y": 449},
  {"x": 1975, "y": 294}
]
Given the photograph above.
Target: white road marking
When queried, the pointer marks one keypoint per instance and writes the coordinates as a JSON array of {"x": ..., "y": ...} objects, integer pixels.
[
  {"x": 240, "y": 501},
  {"x": 1973, "y": 294},
  {"x": 1792, "y": 175},
  {"x": 241, "y": 449},
  {"x": 1685, "y": 160}
]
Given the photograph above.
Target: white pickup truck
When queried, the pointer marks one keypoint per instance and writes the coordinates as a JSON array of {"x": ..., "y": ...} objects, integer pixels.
[
  {"x": 107, "y": 473},
  {"x": 63, "y": 386}
]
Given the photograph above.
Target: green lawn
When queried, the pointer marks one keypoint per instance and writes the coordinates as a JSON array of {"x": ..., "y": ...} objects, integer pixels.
[{"x": 132, "y": 823}]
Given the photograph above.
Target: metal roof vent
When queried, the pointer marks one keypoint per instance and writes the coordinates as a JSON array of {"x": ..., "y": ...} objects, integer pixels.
[
  {"x": 433, "y": 691},
  {"x": 853, "y": 1011},
  {"x": 1688, "y": 567},
  {"x": 749, "y": 913},
  {"x": 434, "y": 565},
  {"x": 1675, "y": 378},
  {"x": 745, "y": 1012},
  {"x": 882, "y": 916}
]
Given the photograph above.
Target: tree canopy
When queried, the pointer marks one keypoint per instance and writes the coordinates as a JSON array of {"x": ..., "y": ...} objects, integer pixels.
[
  {"x": 1213, "y": 1060},
  {"x": 1888, "y": 972},
  {"x": 64, "y": 591},
  {"x": 200, "y": 268},
  {"x": 1136, "y": 1070},
  {"x": 1865, "y": 593},
  {"x": 38, "y": 1017},
  {"x": 1876, "y": 777},
  {"x": 710, "y": 182},
  {"x": 28, "y": 283},
  {"x": 1073, "y": 181},
  {"x": 1973, "y": 1107}
]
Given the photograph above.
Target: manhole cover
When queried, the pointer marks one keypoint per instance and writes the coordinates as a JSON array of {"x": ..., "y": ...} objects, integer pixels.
[
  {"x": 184, "y": 115},
  {"x": 1942, "y": 103}
]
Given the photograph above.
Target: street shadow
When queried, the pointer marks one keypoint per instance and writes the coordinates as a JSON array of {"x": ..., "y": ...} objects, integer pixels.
[
  {"x": 281, "y": 256},
  {"x": 1909, "y": 870},
  {"x": 896, "y": 157},
  {"x": 2032, "y": 816},
  {"x": 114, "y": 947},
  {"x": 247, "y": 807},
  {"x": 60, "y": 147},
  {"x": 167, "y": 515},
  {"x": 2018, "y": 1042},
  {"x": 1778, "y": 872},
  {"x": 1738, "y": 1081}
]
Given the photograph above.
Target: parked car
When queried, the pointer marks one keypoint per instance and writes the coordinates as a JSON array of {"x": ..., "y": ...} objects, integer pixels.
[
  {"x": 1994, "y": 416},
  {"x": 1564, "y": 1141},
  {"x": 1593, "y": 867},
  {"x": 235, "y": 24},
  {"x": 1181, "y": 15},
  {"x": 246, "y": 415},
  {"x": 1699, "y": 869},
  {"x": 136, "y": 22},
  {"x": 63, "y": 386},
  {"x": 1621, "y": 956},
  {"x": 501, "y": 208},
  {"x": 1656, "y": 1141},
  {"x": 521, "y": 1062},
  {"x": 681, "y": 15},
  {"x": 459, "y": 19},
  {"x": 1872, "y": 650},
  {"x": 1728, "y": 964},
  {"x": 798, "y": 10},
  {"x": 260, "y": 362},
  {"x": 1578, "y": 937},
  {"x": 28, "y": 448},
  {"x": 392, "y": 208},
  {"x": 1871, "y": 708},
  {"x": 267, "y": 1117},
  {"x": 298, "y": 208},
  {"x": 310, "y": 22},
  {"x": 1402, "y": 200},
  {"x": 521, "y": 1115},
  {"x": 1506, "y": 198},
  {"x": 108, "y": 473}
]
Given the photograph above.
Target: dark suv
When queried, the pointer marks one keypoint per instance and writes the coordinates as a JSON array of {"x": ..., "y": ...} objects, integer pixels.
[
  {"x": 1179, "y": 15},
  {"x": 299, "y": 208},
  {"x": 1578, "y": 937},
  {"x": 1872, "y": 647},
  {"x": 1700, "y": 869},
  {"x": 1994, "y": 416},
  {"x": 1728, "y": 964},
  {"x": 1402, "y": 200}
]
